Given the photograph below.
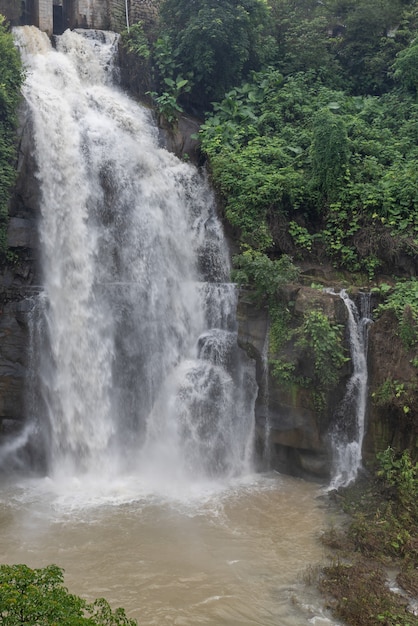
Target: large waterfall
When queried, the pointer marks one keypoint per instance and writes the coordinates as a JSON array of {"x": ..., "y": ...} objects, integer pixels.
[{"x": 135, "y": 365}]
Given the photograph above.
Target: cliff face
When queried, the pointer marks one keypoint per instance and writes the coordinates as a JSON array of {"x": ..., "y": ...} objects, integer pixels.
[
  {"x": 287, "y": 407},
  {"x": 298, "y": 431},
  {"x": 393, "y": 391},
  {"x": 18, "y": 282},
  {"x": 287, "y": 411}
]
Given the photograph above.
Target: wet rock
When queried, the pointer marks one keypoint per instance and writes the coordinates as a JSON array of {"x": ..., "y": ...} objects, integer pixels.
[
  {"x": 393, "y": 390},
  {"x": 21, "y": 233},
  {"x": 298, "y": 430},
  {"x": 13, "y": 359},
  {"x": 180, "y": 140}
]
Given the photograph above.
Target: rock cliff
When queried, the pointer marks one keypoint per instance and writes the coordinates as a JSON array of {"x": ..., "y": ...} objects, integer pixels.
[
  {"x": 287, "y": 413},
  {"x": 18, "y": 282}
]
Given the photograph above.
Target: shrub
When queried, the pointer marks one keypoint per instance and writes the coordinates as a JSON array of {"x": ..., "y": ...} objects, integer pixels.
[{"x": 38, "y": 597}]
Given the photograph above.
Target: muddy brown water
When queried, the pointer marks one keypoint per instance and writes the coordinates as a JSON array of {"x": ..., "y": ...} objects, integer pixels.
[{"x": 224, "y": 556}]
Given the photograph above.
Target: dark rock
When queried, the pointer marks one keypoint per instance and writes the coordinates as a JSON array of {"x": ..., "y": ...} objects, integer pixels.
[
  {"x": 21, "y": 233},
  {"x": 179, "y": 139},
  {"x": 298, "y": 431}
]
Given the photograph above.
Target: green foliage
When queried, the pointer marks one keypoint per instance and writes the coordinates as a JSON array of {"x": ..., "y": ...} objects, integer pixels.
[
  {"x": 388, "y": 391},
  {"x": 350, "y": 44},
  {"x": 171, "y": 84},
  {"x": 329, "y": 152},
  {"x": 136, "y": 41},
  {"x": 283, "y": 371},
  {"x": 216, "y": 43},
  {"x": 280, "y": 330},
  {"x": 38, "y": 596},
  {"x": 406, "y": 67},
  {"x": 403, "y": 301},
  {"x": 167, "y": 103},
  {"x": 400, "y": 473},
  {"x": 324, "y": 340},
  {"x": 301, "y": 236},
  {"x": 163, "y": 57},
  {"x": 10, "y": 82},
  {"x": 340, "y": 173},
  {"x": 255, "y": 270}
]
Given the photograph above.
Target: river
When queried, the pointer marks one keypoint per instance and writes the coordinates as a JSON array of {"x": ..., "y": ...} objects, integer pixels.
[{"x": 218, "y": 556}]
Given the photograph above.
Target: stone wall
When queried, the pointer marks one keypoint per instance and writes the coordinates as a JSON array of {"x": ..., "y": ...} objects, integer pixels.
[
  {"x": 145, "y": 11},
  {"x": 12, "y": 10},
  {"x": 91, "y": 14}
]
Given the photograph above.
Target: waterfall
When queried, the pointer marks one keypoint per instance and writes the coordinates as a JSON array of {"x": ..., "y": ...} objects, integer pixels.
[
  {"x": 135, "y": 364},
  {"x": 266, "y": 398},
  {"x": 348, "y": 433}
]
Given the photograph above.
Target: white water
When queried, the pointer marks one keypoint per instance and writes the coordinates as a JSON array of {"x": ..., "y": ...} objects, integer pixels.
[
  {"x": 139, "y": 399},
  {"x": 348, "y": 434},
  {"x": 137, "y": 368}
]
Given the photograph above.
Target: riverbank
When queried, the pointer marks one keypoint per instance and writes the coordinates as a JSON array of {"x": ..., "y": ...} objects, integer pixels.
[{"x": 373, "y": 578}]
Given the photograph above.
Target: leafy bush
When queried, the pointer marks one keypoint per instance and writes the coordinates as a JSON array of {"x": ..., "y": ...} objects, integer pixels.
[
  {"x": 255, "y": 270},
  {"x": 406, "y": 67},
  {"x": 338, "y": 173},
  {"x": 38, "y": 597},
  {"x": 324, "y": 340},
  {"x": 216, "y": 43},
  {"x": 400, "y": 473},
  {"x": 136, "y": 41},
  {"x": 403, "y": 301}
]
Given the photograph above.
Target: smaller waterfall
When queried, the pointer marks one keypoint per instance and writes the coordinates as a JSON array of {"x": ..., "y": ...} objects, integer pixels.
[
  {"x": 347, "y": 436},
  {"x": 266, "y": 398}
]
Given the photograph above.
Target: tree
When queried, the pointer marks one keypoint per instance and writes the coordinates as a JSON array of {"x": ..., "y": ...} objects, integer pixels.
[
  {"x": 406, "y": 67},
  {"x": 38, "y": 597},
  {"x": 217, "y": 43},
  {"x": 329, "y": 152}
]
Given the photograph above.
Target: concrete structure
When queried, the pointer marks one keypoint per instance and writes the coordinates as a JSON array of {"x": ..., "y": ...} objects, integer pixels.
[{"x": 55, "y": 16}]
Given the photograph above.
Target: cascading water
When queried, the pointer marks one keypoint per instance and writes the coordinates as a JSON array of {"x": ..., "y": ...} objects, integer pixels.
[
  {"x": 137, "y": 366},
  {"x": 348, "y": 433},
  {"x": 266, "y": 398},
  {"x": 139, "y": 396}
]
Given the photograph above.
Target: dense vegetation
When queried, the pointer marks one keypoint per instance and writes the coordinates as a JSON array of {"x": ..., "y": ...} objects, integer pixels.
[
  {"x": 382, "y": 532},
  {"x": 311, "y": 133},
  {"x": 316, "y": 161},
  {"x": 38, "y": 596},
  {"x": 10, "y": 82},
  {"x": 310, "y": 129}
]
